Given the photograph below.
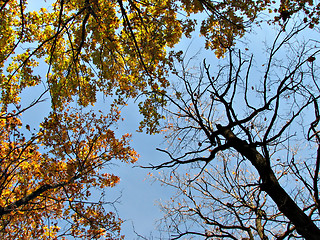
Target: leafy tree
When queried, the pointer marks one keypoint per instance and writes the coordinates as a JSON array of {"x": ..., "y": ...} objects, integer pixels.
[
  {"x": 86, "y": 48},
  {"x": 244, "y": 131}
]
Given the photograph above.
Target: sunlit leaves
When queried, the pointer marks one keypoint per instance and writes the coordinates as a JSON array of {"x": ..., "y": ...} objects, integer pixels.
[{"x": 56, "y": 184}]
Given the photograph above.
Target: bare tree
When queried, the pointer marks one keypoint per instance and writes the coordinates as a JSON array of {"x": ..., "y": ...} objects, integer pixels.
[{"x": 245, "y": 134}]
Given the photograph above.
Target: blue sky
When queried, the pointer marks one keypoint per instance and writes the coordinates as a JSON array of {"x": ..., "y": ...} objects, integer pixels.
[{"x": 138, "y": 193}]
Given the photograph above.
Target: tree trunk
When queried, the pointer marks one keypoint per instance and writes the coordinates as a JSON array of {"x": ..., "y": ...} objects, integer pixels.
[{"x": 304, "y": 225}]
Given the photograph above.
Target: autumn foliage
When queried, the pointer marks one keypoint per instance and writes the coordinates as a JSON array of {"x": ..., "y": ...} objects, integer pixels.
[{"x": 51, "y": 176}]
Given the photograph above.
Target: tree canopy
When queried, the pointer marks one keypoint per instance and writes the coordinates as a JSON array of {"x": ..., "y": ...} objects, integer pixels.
[{"x": 72, "y": 52}]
